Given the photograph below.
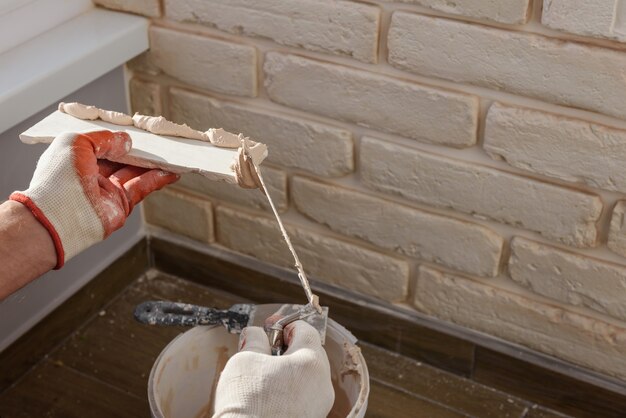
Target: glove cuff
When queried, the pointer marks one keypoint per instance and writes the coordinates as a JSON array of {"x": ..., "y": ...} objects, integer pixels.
[{"x": 45, "y": 222}]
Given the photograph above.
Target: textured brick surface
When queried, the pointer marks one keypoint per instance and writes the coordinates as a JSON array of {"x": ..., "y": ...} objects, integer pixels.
[
  {"x": 145, "y": 97},
  {"x": 503, "y": 11},
  {"x": 208, "y": 63},
  {"x": 292, "y": 142},
  {"x": 499, "y": 144},
  {"x": 180, "y": 213},
  {"x": 566, "y": 73},
  {"x": 617, "y": 232},
  {"x": 457, "y": 244},
  {"x": 143, "y": 63},
  {"x": 556, "y": 212},
  {"x": 275, "y": 180},
  {"x": 334, "y": 261},
  {"x": 384, "y": 103},
  {"x": 150, "y": 8},
  {"x": 595, "y": 18},
  {"x": 569, "y": 278},
  {"x": 336, "y": 27},
  {"x": 577, "y": 338},
  {"x": 568, "y": 149}
]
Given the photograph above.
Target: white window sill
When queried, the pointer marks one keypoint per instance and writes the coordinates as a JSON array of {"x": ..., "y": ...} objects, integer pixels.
[{"x": 39, "y": 72}]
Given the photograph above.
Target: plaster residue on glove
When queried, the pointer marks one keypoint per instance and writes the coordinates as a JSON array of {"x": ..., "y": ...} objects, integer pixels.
[{"x": 249, "y": 155}]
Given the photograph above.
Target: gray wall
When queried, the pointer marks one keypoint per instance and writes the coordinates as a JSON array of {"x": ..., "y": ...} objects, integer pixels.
[{"x": 23, "y": 309}]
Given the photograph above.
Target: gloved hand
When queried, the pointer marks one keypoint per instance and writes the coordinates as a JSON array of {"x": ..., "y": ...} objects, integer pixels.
[
  {"x": 256, "y": 384},
  {"x": 79, "y": 196}
]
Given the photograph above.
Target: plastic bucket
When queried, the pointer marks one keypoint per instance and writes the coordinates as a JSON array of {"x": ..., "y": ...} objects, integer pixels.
[{"x": 183, "y": 379}]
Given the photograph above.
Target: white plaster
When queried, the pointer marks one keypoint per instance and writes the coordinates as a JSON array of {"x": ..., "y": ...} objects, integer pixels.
[{"x": 178, "y": 155}]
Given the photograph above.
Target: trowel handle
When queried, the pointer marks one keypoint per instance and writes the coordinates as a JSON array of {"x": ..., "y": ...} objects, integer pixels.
[
  {"x": 187, "y": 315},
  {"x": 275, "y": 332}
]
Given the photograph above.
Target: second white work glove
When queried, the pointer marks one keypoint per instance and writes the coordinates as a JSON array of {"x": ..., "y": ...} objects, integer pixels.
[{"x": 256, "y": 384}]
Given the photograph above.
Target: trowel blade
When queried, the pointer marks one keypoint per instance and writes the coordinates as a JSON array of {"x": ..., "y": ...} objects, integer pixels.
[{"x": 261, "y": 315}]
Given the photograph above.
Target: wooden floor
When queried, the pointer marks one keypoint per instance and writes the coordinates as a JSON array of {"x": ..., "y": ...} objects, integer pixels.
[{"x": 102, "y": 369}]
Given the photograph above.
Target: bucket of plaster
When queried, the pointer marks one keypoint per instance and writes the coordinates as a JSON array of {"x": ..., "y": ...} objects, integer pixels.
[{"x": 184, "y": 376}]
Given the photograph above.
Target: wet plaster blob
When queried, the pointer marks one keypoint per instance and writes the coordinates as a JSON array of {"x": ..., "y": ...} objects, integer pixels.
[{"x": 249, "y": 155}]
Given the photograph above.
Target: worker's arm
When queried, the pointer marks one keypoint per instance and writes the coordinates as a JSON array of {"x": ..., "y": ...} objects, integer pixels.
[
  {"x": 296, "y": 384},
  {"x": 26, "y": 249},
  {"x": 77, "y": 197}
]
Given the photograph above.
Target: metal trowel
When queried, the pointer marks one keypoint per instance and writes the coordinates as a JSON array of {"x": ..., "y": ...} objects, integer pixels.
[{"x": 272, "y": 317}]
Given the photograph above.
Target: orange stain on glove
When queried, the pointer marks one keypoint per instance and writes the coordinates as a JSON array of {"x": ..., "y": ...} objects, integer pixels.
[{"x": 80, "y": 164}]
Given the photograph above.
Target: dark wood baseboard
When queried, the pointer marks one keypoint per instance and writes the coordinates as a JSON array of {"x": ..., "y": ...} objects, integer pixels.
[{"x": 513, "y": 368}]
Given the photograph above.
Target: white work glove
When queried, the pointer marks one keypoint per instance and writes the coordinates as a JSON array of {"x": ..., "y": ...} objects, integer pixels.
[
  {"x": 256, "y": 384},
  {"x": 79, "y": 196}
]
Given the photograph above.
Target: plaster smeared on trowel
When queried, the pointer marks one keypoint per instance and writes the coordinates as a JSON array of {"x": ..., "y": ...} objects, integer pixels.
[
  {"x": 161, "y": 126},
  {"x": 243, "y": 166},
  {"x": 81, "y": 111}
]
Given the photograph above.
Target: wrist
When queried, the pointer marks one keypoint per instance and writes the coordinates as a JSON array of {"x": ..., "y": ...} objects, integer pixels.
[
  {"x": 23, "y": 227},
  {"x": 26, "y": 248}
]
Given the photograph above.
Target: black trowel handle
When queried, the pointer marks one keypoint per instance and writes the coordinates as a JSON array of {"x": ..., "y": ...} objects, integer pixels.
[{"x": 187, "y": 315}]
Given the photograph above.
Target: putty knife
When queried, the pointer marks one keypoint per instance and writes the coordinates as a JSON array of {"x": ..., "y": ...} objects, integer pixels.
[{"x": 272, "y": 317}]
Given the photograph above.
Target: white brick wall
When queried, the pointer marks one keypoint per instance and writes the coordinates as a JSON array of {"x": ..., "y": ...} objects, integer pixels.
[
  {"x": 331, "y": 260},
  {"x": 568, "y": 277},
  {"x": 275, "y": 180},
  {"x": 558, "y": 213},
  {"x": 545, "y": 327},
  {"x": 570, "y": 74},
  {"x": 384, "y": 103},
  {"x": 617, "y": 233},
  {"x": 293, "y": 142},
  {"x": 207, "y": 63},
  {"x": 548, "y": 144},
  {"x": 596, "y": 18},
  {"x": 504, "y": 11},
  {"x": 499, "y": 152},
  {"x": 145, "y": 97},
  {"x": 336, "y": 27},
  {"x": 451, "y": 242},
  {"x": 165, "y": 208}
]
